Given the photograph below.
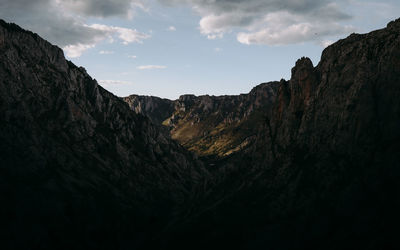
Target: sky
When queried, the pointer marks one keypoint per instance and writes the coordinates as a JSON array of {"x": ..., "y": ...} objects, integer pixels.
[{"x": 167, "y": 48}]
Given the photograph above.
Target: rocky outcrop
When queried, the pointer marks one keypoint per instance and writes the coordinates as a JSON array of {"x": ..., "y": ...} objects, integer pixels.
[
  {"x": 323, "y": 173},
  {"x": 79, "y": 169},
  {"x": 155, "y": 108},
  {"x": 212, "y": 126}
]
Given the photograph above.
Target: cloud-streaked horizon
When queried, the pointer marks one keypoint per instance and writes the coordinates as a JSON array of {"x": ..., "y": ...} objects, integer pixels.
[
  {"x": 254, "y": 21},
  {"x": 230, "y": 45},
  {"x": 266, "y": 22}
]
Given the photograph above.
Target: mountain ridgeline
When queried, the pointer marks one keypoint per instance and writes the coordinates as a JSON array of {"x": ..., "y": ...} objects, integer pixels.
[
  {"x": 307, "y": 163},
  {"x": 79, "y": 169},
  {"x": 213, "y": 126}
]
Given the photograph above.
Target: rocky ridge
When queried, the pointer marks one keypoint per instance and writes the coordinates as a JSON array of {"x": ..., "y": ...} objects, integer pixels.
[
  {"x": 211, "y": 126},
  {"x": 79, "y": 169},
  {"x": 323, "y": 173}
]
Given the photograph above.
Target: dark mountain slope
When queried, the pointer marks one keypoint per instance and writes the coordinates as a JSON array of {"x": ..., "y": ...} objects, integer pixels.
[
  {"x": 79, "y": 169},
  {"x": 157, "y": 109},
  {"x": 324, "y": 172},
  {"x": 212, "y": 126}
]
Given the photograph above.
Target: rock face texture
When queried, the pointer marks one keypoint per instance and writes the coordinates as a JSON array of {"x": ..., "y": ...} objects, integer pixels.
[
  {"x": 155, "y": 108},
  {"x": 324, "y": 173},
  {"x": 79, "y": 169},
  {"x": 212, "y": 126}
]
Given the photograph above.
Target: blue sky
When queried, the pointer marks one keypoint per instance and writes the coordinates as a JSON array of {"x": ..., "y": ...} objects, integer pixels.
[{"x": 174, "y": 47}]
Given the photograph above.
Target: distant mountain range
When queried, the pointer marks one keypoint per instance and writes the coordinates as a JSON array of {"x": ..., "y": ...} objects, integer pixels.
[
  {"x": 213, "y": 126},
  {"x": 307, "y": 163}
]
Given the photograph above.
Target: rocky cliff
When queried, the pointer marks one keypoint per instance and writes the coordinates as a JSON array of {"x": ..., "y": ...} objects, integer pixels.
[
  {"x": 212, "y": 126},
  {"x": 155, "y": 108},
  {"x": 323, "y": 172},
  {"x": 79, "y": 169}
]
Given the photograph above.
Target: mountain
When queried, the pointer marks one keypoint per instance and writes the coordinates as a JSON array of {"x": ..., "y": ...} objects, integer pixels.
[
  {"x": 155, "y": 108},
  {"x": 322, "y": 171},
  {"x": 307, "y": 163},
  {"x": 210, "y": 126},
  {"x": 79, "y": 169}
]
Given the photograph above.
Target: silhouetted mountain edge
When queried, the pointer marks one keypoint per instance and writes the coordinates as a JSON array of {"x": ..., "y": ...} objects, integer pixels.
[{"x": 79, "y": 169}]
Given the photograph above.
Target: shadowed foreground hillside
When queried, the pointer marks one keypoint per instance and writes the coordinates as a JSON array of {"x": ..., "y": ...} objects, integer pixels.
[
  {"x": 79, "y": 170},
  {"x": 309, "y": 163}
]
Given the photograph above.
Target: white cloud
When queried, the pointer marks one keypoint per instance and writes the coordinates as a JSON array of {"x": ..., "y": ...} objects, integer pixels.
[
  {"x": 260, "y": 21},
  {"x": 215, "y": 36},
  {"x": 106, "y": 52},
  {"x": 217, "y": 50},
  {"x": 132, "y": 56},
  {"x": 131, "y": 36},
  {"x": 286, "y": 28},
  {"x": 171, "y": 28},
  {"x": 126, "y": 35},
  {"x": 63, "y": 22},
  {"x": 76, "y": 50},
  {"x": 326, "y": 43},
  {"x": 214, "y": 26},
  {"x": 144, "y": 67},
  {"x": 113, "y": 82}
]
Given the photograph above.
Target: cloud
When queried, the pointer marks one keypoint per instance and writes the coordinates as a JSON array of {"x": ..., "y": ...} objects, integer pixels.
[
  {"x": 287, "y": 28},
  {"x": 217, "y": 50},
  {"x": 132, "y": 56},
  {"x": 61, "y": 21},
  {"x": 113, "y": 82},
  {"x": 214, "y": 36},
  {"x": 171, "y": 28},
  {"x": 145, "y": 67},
  {"x": 106, "y": 52},
  {"x": 76, "y": 50},
  {"x": 102, "y": 8},
  {"x": 125, "y": 34},
  {"x": 260, "y": 21},
  {"x": 43, "y": 17},
  {"x": 326, "y": 43}
]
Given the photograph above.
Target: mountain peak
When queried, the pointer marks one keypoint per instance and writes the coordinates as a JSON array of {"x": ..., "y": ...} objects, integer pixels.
[{"x": 395, "y": 24}]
